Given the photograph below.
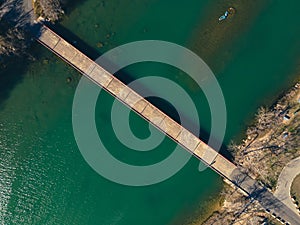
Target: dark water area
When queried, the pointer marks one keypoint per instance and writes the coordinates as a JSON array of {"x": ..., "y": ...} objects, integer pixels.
[
  {"x": 8, "y": 82},
  {"x": 13, "y": 69},
  {"x": 44, "y": 178}
]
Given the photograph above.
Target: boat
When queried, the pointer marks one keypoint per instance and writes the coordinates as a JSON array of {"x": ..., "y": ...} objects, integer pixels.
[{"x": 224, "y": 17}]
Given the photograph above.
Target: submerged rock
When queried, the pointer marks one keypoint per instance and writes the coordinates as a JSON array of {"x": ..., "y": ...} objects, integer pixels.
[
  {"x": 69, "y": 79},
  {"x": 100, "y": 44},
  {"x": 231, "y": 11}
]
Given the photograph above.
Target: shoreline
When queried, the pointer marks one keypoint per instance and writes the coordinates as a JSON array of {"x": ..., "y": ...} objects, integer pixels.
[
  {"x": 29, "y": 0},
  {"x": 274, "y": 130},
  {"x": 264, "y": 133}
]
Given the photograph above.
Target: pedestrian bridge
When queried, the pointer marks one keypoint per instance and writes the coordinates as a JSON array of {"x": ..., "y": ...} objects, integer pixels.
[{"x": 165, "y": 124}]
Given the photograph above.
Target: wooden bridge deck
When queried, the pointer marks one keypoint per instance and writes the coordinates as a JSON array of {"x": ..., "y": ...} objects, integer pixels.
[
  {"x": 164, "y": 123},
  {"x": 133, "y": 100}
]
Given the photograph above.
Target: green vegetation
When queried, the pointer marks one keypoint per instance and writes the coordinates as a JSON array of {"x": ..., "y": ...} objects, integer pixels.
[
  {"x": 295, "y": 190},
  {"x": 272, "y": 221}
]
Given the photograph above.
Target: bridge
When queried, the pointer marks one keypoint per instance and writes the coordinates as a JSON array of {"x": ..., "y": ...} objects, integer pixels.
[{"x": 167, "y": 125}]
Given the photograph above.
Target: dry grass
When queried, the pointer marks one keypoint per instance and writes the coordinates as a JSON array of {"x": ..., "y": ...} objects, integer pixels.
[
  {"x": 271, "y": 141},
  {"x": 270, "y": 144},
  {"x": 48, "y": 9},
  {"x": 38, "y": 11}
]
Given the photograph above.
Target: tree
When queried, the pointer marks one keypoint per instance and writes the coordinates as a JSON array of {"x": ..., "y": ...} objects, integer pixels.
[
  {"x": 49, "y": 9},
  {"x": 13, "y": 42},
  {"x": 13, "y": 39},
  {"x": 264, "y": 118}
]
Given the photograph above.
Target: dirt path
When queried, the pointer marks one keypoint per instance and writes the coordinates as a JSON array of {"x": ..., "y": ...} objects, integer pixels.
[
  {"x": 285, "y": 180},
  {"x": 28, "y": 9}
]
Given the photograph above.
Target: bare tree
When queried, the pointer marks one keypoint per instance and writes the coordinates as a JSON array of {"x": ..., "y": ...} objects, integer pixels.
[
  {"x": 49, "y": 9},
  {"x": 264, "y": 118},
  {"x": 13, "y": 42},
  {"x": 233, "y": 148},
  {"x": 13, "y": 38}
]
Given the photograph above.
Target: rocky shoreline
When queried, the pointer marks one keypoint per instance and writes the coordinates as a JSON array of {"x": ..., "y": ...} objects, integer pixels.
[
  {"x": 17, "y": 22},
  {"x": 271, "y": 142},
  {"x": 50, "y": 10}
]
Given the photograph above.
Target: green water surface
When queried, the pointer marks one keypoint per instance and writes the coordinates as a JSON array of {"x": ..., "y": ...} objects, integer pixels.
[{"x": 43, "y": 177}]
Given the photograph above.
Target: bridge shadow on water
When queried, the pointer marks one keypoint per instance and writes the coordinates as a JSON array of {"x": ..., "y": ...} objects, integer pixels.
[
  {"x": 12, "y": 69},
  {"x": 127, "y": 78}
]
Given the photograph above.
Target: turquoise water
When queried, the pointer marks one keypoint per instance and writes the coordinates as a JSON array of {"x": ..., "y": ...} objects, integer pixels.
[{"x": 45, "y": 180}]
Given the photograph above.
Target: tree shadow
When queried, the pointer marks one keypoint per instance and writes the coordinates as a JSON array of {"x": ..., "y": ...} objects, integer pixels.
[
  {"x": 70, "y": 5},
  {"x": 14, "y": 67},
  {"x": 10, "y": 76}
]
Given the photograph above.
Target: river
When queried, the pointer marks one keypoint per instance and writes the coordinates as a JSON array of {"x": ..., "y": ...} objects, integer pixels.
[{"x": 44, "y": 178}]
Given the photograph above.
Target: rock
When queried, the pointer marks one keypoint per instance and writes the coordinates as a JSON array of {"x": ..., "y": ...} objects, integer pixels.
[
  {"x": 69, "y": 79},
  {"x": 231, "y": 11},
  {"x": 100, "y": 45}
]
